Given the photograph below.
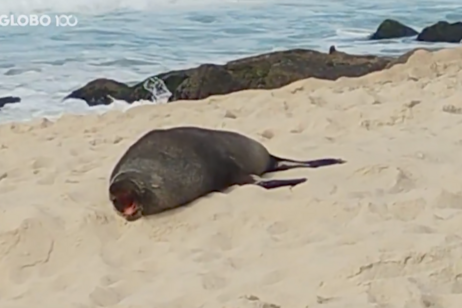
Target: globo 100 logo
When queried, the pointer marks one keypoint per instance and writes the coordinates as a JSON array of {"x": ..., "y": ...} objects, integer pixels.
[{"x": 33, "y": 20}]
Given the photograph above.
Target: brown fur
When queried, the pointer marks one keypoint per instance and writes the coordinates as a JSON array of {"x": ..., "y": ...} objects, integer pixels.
[{"x": 167, "y": 168}]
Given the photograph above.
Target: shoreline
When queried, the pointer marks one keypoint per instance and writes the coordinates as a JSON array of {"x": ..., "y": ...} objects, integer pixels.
[
  {"x": 189, "y": 83},
  {"x": 393, "y": 60},
  {"x": 268, "y": 70}
]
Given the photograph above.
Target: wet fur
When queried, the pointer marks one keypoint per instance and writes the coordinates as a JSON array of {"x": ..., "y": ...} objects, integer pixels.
[{"x": 172, "y": 167}]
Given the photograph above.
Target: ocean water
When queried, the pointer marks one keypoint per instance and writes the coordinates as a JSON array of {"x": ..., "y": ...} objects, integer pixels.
[{"x": 128, "y": 40}]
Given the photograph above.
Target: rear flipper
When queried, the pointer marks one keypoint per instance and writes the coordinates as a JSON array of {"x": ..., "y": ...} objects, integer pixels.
[
  {"x": 270, "y": 184},
  {"x": 281, "y": 164}
]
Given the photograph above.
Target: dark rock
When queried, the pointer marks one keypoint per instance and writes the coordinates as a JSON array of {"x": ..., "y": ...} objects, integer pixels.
[
  {"x": 390, "y": 28},
  {"x": 332, "y": 49},
  {"x": 101, "y": 91},
  {"x": 9, "y": 100},
  {"x": 442, "y": 31},
  {"x": 266, "y": 71}
]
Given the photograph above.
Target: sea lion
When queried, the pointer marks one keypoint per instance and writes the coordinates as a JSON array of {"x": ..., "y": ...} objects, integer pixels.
[{"x": 168, "y": 168}]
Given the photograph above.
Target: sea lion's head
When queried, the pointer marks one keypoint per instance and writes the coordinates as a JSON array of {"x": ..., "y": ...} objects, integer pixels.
[{"x": 130, "y": 195}]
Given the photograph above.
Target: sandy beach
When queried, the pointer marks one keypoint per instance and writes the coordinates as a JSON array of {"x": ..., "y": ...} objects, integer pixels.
[{"x": 382, "y": 230}]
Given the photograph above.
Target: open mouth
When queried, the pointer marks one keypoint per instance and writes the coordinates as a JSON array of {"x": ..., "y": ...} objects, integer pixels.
[
  {"x": 130, "y": 210},
  {"x": 126, "y": 205}
]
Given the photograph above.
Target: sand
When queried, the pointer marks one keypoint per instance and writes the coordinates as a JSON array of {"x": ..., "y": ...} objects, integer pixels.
[{"x": 383, "y": 230}]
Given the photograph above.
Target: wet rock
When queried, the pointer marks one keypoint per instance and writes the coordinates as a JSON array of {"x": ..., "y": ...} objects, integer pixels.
[
  {"x": 442, "y": 31},
  {"x": 200, "y": 82},
  {"x": 266, "y": 71},
  {"x": 102, "y": 92},
  {"x": 9, "y": 100},
  {"x": 332, "y": 49},
  {"x": 390, "y": 28}
]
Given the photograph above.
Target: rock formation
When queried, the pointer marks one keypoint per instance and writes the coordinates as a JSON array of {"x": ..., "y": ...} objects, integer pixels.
[
  {"x": 390, "y": 28},
  {"x": 266, "y": 71},
  {"x": 9, "y": 100},
  {"x": 442, "y": 31}
]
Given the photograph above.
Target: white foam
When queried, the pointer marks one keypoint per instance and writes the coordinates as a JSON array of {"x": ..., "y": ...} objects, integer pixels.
[
  {"x": 353, "y": 32},
  {"x": 131, "y": 40},
  {"x": 102, "y": 6}
]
